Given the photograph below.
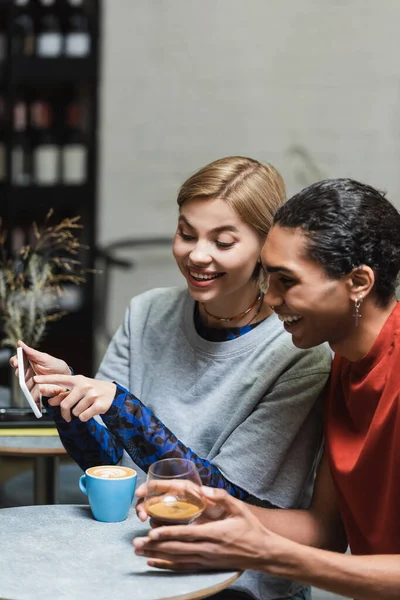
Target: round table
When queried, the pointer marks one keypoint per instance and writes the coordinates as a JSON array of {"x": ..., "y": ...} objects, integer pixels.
[
  {"x": 60, "y": 552},
  {"x": 45, "y": 450}
]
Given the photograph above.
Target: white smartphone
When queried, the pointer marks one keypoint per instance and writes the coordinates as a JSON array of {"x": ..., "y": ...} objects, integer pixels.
[{"x": 23, "y": 368}]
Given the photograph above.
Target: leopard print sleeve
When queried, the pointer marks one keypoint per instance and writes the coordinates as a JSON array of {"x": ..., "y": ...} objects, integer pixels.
[
  {"x": 89, "y": 444},
  {"x": 146, "y": 439}
]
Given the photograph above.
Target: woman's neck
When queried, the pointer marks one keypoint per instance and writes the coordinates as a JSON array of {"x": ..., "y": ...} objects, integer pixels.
[{"x": 235, "y": 315}]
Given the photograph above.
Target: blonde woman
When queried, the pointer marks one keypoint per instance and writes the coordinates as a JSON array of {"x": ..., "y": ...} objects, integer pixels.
[{"x": 206, "y": 372}]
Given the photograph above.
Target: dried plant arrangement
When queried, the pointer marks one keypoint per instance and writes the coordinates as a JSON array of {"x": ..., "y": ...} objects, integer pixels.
[{"x": 33, "y": 281}]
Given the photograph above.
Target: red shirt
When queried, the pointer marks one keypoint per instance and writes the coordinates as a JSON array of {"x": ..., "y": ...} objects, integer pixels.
[{"x": 363, "y": 442}]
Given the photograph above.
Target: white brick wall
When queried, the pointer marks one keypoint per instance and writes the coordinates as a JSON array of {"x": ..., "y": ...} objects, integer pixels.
[{"x": 188, "y": 81}]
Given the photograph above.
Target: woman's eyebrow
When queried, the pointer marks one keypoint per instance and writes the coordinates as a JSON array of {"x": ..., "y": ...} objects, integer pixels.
[
  {"x": 184, "y": 219},
  {"x": 220, "y": 229}
]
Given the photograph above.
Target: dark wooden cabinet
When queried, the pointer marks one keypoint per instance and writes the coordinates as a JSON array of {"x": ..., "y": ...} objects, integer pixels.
[{"x": 49, "y": 85}]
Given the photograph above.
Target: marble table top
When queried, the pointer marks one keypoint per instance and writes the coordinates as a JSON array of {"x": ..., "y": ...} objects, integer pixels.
[{"x": 61, "y": 553}]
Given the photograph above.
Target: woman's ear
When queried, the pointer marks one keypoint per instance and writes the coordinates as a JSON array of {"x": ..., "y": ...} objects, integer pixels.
[{"x": 361, "y": 280}]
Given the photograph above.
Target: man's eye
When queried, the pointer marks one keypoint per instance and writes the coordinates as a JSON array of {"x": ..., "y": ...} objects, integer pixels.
[
  {"x": 287, "y": 281},
  {"x": 185, "y": 236},
  {"x": 224, "y": 244}
]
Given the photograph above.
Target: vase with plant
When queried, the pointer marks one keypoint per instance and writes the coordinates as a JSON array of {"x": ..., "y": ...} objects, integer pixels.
[{"x": 34, "y": 279}]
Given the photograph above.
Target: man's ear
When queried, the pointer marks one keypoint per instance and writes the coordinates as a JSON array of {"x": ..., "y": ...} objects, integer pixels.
[{"x": 361, "y": 280}]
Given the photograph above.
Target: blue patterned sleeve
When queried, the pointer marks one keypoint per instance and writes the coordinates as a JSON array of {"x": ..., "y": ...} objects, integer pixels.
[
  {"x": 89, "y": 444},
  {"x": 147, "y": 439}
]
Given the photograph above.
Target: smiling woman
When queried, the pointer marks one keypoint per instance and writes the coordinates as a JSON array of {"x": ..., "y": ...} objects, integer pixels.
[{"x": 206, "y": 373}]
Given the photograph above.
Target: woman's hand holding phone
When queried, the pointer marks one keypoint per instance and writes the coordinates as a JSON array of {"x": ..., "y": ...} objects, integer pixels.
[{"x": 40, "y": 364}]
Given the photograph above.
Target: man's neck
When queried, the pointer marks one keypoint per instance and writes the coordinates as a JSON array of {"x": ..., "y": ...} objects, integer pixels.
[{"x": 360, "y": 341}]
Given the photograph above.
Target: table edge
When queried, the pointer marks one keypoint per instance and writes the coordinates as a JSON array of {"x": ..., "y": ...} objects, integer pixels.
[
  {"x": 206, "y": 592},
  {"x": 10, "y": 451}
]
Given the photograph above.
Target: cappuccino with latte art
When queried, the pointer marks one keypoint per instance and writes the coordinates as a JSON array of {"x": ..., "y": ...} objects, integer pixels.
[
  {"x": 110, "y": 490},
  {"x": 111, "y": 472}
]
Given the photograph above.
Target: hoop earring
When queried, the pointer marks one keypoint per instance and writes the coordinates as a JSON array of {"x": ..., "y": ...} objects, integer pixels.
[{"x": 357, "y": 303}]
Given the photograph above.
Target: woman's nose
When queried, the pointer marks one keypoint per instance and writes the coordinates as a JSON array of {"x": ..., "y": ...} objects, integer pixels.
[{"x": 199, "y": 255}]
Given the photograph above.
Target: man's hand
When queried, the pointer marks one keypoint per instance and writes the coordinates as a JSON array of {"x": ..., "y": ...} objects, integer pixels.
[
  {"x": 233, "y": 538},
  {"x": 212, "y": 511},
  {"x": 81, "y": 397}
]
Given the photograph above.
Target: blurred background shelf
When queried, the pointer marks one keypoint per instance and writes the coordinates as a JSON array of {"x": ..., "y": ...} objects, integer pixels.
[
  {"x": 57, "y": 197},
  {"x": 53, "y": 71},
  {"x": 49, "y": 88}
]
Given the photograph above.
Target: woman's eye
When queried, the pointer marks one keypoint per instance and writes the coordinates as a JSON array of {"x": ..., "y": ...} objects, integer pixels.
[
  {"x": 224, "y": 244},
  {"x": 185, "y": 236}
]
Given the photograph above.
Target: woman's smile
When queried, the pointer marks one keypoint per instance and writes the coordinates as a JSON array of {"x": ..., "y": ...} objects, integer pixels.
[{"x": 202, "y": 278}]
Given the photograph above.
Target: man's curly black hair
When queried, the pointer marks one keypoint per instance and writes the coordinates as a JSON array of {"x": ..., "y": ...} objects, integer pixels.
[{"x": 348, "y": 224}]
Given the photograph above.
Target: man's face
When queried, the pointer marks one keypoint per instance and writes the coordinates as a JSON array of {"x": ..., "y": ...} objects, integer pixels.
[{"x": 313, "y": 307}]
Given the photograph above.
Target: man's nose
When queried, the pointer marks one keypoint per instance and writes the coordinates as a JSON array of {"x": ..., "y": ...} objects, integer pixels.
[{"x": 273, "y": 297}]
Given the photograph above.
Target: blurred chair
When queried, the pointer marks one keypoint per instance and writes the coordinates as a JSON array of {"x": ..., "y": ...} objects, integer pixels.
[
  {"x": 18, "y": 489},
  {"x": 129, "y": 267}
]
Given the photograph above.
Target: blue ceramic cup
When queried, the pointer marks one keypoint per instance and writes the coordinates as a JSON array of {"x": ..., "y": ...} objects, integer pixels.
[{"x": 110, "y": 490}]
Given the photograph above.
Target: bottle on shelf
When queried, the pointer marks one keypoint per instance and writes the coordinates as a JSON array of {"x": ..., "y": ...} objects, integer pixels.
[
  {"x": 74, "y": 150},
  {"x": 46, "y": 150},
  {"x": 49, "y": 38},
  {"x": 21, "y": 151},
  {"x": 77, "y": 33},
  {"x": 23, "y": 36}
]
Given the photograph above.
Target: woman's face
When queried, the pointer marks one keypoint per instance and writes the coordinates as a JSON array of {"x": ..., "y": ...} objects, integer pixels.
[
  {"x": 216, "y": 253},
  {"x": 313, "y": 307}
]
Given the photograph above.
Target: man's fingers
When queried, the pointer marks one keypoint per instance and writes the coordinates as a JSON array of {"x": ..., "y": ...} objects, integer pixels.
[
  {"x": 171, "y": 566},
  {"x": 141, "y": 511},
  {"x": 219, "y": 503},
  {"x": 143, "y": 514},
  {"x": 141, "y": 491},
  {"x": 177, "y": 486},
  {"x": 179, "y": 551},
  {"x": 184, "y": 533}
]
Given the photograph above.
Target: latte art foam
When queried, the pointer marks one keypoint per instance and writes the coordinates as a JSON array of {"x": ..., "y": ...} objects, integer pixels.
[{"x": 112, "y": 472}]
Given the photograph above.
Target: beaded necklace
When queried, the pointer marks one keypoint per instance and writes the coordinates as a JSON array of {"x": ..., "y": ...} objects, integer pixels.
[{"x": 239, "y": 316}]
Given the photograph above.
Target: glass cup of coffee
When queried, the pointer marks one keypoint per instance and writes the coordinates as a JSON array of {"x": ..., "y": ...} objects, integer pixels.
[
  {"x": 173, "y": 492},
  {"x": 110, "y": 490}
]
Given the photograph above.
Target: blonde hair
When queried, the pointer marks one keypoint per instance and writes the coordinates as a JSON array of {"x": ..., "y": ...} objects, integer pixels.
[{"x": 253, "y": 190}]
